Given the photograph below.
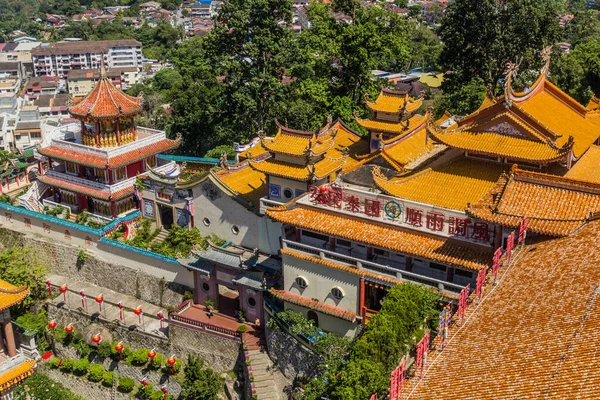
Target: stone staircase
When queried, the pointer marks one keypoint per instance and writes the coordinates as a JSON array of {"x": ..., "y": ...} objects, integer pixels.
[
  {"x": 160, "y": 237},
  {"x": 263, "y": 370}
]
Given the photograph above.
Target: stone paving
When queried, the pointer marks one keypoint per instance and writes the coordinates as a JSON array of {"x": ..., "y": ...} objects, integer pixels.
[{"x": 148, "y": 322}]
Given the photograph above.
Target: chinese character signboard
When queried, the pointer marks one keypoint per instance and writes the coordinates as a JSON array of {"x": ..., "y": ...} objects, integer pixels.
[{"x": 387, "y": 209}]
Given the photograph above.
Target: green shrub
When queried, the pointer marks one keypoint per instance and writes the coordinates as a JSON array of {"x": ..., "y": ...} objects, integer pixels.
[
  {"x": 139, "y": 357},
  {"x": 67, "y": 364},
  {"x": 145, "y": 392},
  {"x": 159, "y": 395},
  {"x": 242, "y": 328},
  {"x": 37, "y": 386},
  {"x": 188, "y": 295},
  {"x": 83, "y": 348},
  {"x": 81, "y": 366},
  {"x": 54, "y": 363},
  {"x": 104, "y": 349},
  {"x": 115, "y": 354},
  {"x": 108, "y": 379},
  {"x": 96, "y": 372},
  {"x": 126, "y": 384},
  {"x": 158, "y": 362},
  {"x": 169, "y": 369}
]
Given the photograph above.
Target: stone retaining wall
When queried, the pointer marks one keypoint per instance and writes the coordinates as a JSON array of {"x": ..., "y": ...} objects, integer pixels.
[
  {"x": 102, "y": 267},
  {"x": 86, "y": 389},
  {"x": 292, "y": 358}
]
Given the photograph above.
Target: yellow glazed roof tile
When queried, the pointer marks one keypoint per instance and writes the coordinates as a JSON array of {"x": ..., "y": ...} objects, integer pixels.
[
  {"x": 392, "y": 102},
  {"x": 377, "y": 125},
  {"x": 409, "y": 149},
  {"x": 247, "y": 182},
  {"x": 451, "y": 185},
  {"x": 445, "y": 250},
  {"x": 587, "y": 168},
  {"x": 11, "y": 295},
  {"x": 15, "y": 375}
]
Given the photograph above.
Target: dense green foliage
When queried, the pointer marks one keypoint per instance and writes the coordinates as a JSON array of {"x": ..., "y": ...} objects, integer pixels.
[
  {"x": 200, "y": 382},
  {"x": 96, "y": 373},
  {"x": 392, "y": 333},
  {"x": 22, "y": 267},
  {"x": 40, "y": 386},
  {"x": 126, "y": 384}
]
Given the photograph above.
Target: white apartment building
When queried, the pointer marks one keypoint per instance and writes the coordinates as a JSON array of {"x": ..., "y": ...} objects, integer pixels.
[{"x": 57, "y": 59}]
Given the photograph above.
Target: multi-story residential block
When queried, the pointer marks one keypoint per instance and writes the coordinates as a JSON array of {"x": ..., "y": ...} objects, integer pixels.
[
  {"x": 81, "y": 82},
  {"x": 43, "y": 85},
  {"x": 57, "y": 59}
]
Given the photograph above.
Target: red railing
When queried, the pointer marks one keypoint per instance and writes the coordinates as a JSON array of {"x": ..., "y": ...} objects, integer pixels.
[
  {"x": 205, "y": 326},
  {"x": 182, "y": 305}
]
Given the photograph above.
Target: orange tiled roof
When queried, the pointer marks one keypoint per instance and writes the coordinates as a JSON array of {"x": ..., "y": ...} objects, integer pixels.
[
  {"x": 389, "y": 101},
  {"x": 314, "y": 305},
  {"x": 106, "y": 101},
  {"x": 408, "y": 149},
  {"x": 11, "y": 294},
  {"x": 494, "y": 144},
  {"x": 594, "y": 103},
  {"x": 95, "y": 193},
  {"x": 444, "y": 250},
  {"x": 587, "y": 167},
  {"x": 246, "y": 182},
  {"x": 297, "y": 143},
  {"x": 535, "y": 334},
  {"x": 98, "y": 161},
  {"x": 392, "y": 126},
  {"x": 452, "y": 185},
  {"x": 16, "y": 374},
  {"x": 555, "y": 206}
]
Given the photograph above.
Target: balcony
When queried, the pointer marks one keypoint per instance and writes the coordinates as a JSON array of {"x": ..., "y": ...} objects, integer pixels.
[
  {"x": 386, "y": 270},
  {"x": 266, "y": 202}
]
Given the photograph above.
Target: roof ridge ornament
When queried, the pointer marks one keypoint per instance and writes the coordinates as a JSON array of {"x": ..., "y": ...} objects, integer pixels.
[
  {"x": 546, "y": 56},
  {"x": 102, "y": 67},
  {"x": 509, "y": 73}
]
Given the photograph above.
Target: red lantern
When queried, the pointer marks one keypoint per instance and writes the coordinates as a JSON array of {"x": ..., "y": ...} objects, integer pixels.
[
  {"x": 160, "y": 316},
  {"x": 138, "y": 311},
  {"x": 69, "y": 329},
  {"x": 171, "y": 361},
  {"x": 49, "y": 285},
  {"x": 63, "y": 289},
  {"x": 121, "y": 307},
  {"x": 119, "y": 347},
  {"x": 99, "y": 300},
  {"x": 323, "y": 189},
  {"x": 52, "y": 324},
  {"x": 96, "y": 339},
  {"x": 144, "y": 381},
  {"x": 151, "y": 355}
]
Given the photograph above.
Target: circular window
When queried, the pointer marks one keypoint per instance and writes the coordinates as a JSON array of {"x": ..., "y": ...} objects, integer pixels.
[
  {"x": 301, "y": 282},
  {"x": 205, "y": 287},
  {"x": 235, "y": 229},
  {"x": 287, "y": 193},
  {"x": 251, "y": 302},
  {"x": 337, "y": 293},
  {"x": 206, "y": 221}
]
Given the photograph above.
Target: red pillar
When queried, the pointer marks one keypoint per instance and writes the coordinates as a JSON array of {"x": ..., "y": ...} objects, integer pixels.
[
  {"x": 97, "y": 134},
  {"x": 332, "y": 243},
  {"x": 9, "y": 335},
  {"x": 118, "y": 133},
  {"x": 113, "y": 208},
  {"x": 298, "y": 235},
  {"x": 111, "y": 180},
  {"x": 362, "y": 309}
]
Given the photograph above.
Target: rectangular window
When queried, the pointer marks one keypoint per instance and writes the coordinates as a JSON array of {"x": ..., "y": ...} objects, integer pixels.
[
  {"x": 437, "y": 266},
  {"x": 17, "y": 137},
  {"x": 71, "y": 167},
  {"x": 35, "y": 135},
  {"x": 315, "y": 235},
  {"x": 343, "y": 243},
  {"x": 462, "y": 272},
  {"x": 381, "y": 252},
  {"x": 120, "y": 174}
]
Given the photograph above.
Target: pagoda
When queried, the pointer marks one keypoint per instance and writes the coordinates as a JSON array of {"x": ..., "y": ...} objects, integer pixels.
[
  {"x": 93, "y": 165},
  {"x": 14, "y": 365}
]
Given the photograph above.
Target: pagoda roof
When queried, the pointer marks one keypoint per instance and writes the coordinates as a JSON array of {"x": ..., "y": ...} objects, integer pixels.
[
  {"x": 343, "y": 151},
  {"x": 445, "y": 250},
  {"x": 392, "y": 127},
  {"x": 87, "y": 190},
  {"x": 542, "y": 124},
  {"x": 314, "y": 305},
  {"x": 105, "y": 160},
  {"x": 452, "y": 185},
  {"x": 532, "y": 336},
  {"x": 554, "y": 205},
  {"x": 390, "y": 101},
  {"x": 106, "y": 101},
  {"x": 11, "y": 295},
  {"x": 299, "y": 143}
]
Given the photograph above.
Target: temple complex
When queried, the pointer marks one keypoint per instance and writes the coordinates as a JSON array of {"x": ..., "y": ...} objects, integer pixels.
[
  {"x": 93, "y": 165},
  {"x": 432, "y": 200},
  {"x": 15, "y": 366}
]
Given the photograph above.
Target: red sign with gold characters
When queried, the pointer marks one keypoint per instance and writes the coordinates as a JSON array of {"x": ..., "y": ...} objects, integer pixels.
[{"x": 402, "y": 212}]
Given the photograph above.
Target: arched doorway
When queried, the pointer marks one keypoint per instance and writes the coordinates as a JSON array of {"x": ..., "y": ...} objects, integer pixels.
[
  {"x": 312, "y": 316},
  {"x": 166, "y": 216}
]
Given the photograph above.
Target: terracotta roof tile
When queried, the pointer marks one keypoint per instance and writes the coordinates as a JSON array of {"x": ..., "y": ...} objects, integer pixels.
[
  {"x": 95, "y": 193},
  {"x": 143, "y": 152},
  {"x": 436, "y": 248},
  {"x": 555, "y": 206},
  {"x": 534, "y": 335},
  {"x": 452, "y": 185},
  {"x": 11, "y": 294},
  {"x": 314, "y": 305}
]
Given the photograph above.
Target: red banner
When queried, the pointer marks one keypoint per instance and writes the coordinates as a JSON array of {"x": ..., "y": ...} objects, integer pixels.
[
  {"x": 510, "y": 245},
  {"x": 462, "y": 301},
  {"x": 523, "y": 229},
  {"x": 422, "y": 348},
  {"x": 480, "y": 281},
  {"x": 496, "y": 264}
]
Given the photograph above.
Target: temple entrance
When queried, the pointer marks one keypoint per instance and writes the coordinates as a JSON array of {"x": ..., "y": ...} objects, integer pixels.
[
  {"x": 312, "y": 316},
  {"x": 166, "y": 216},
  {"x": 229, "y": 301}
]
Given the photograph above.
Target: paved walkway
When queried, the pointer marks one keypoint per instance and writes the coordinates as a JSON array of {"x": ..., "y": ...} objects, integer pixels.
[{"x": 149, "y": 322}]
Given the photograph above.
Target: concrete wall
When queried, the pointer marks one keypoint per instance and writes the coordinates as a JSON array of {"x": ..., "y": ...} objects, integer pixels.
[
  {"x": 327, "y": 322},
  {"x": 283, "y": 183}
]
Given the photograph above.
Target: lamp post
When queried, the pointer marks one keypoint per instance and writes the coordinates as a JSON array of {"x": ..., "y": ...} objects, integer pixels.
[
  {"x": 63, "y": 289},
  {"x": 100, "y": 300},
  {"x": 82, "y": 293}
]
